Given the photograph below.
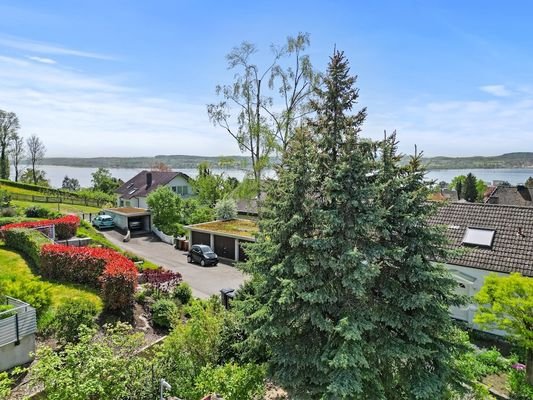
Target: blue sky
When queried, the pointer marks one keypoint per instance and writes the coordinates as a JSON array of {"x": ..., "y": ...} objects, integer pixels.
[{"x": 122, "y": 78}]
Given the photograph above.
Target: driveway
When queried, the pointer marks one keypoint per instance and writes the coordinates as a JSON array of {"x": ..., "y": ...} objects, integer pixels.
[{"x": 204, "y": 281}]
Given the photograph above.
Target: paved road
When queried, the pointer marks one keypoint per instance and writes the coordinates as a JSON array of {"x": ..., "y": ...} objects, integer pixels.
[{"x": 204, "y": 281}]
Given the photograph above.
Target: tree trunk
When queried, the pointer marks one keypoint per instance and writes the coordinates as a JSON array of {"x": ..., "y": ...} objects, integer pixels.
[
  {"x": 3, "y": 164},
  {"x": 33, "y": 172},
  {"x": 529, "y": 366}
]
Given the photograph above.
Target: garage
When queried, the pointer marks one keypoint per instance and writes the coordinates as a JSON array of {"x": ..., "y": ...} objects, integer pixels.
[
  {"x": 136, "y": 220},
  {"x": 224, "y": 237}
]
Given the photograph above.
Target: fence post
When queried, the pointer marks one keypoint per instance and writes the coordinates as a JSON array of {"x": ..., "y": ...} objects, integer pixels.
[{"x": 17, "y": 329}]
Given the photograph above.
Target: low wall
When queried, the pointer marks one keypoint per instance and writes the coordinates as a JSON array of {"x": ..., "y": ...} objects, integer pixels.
[
  {"x": 164, "y": 238},
  {"x": 77, "y": 242},
  {"x": 13, "y": 355}
]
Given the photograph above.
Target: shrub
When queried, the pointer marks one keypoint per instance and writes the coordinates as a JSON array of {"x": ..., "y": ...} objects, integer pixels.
[
  {"x": 37, "y": 212},
  {"x": 226, "y": 209},
  {"x": 6, "y": 307},
  {"x": 118, "y": 284},
  {"x": 8, "y": 220},
  {"x": 70, "y": 315},
  {"x": 231, "y": 381},
  {"x": 164, "y": 313},
  {"x": 33, "y": 292},
  {"x": 8, "y": 212},
  {"x": 28, "y": 242},
  {"x": 5, "y": 198},
  {"x": 162, "y": 281},
  {"x": 65, "y": 227},
  {"x": 516, "y": 379},
  {"x": 114, "y": 273},
  {"x": 183, "y": 293}
]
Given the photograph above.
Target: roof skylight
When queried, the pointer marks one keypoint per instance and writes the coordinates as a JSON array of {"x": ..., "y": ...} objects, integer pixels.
[
  {"x": 132, "y": 191},
  {"x": 479, "y": 237}
]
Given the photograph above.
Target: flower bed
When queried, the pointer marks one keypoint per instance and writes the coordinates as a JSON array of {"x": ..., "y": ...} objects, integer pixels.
[
  {"x": 97, "y": 267},
  {"x": 65, "y": 227}
]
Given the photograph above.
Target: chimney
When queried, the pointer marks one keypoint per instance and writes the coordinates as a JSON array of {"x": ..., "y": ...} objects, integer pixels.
[{"x": 148, "y": 179}]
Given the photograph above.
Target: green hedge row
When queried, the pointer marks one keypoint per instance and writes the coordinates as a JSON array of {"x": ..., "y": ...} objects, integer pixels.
[
  {"x": 37, "y": 188},
  {"x": 28, "y": 242}
]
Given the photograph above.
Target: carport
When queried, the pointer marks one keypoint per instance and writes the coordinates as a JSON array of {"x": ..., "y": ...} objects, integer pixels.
[
  {"x": 226, "y": 238},
  {"x": 130, "y": 217}
]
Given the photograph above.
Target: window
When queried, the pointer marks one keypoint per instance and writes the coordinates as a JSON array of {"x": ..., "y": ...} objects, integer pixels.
[
  {"x": 128, "y": 203},
  {"x": 132, "y": 190},
  {"x": 479, "y": 237},
  {"x": 174, "y": 189},
  {"x": 182, "y": 190}
]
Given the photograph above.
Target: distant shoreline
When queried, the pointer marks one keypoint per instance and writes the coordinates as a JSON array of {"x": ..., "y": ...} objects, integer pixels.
[{"x": 523, "y": 160}]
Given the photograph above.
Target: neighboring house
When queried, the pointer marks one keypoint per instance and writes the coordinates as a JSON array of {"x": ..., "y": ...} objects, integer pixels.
[
  {"x": 511, "y": 195},
  {"x": 495, "y": 238},
  {"x": 134, "y": 192}
]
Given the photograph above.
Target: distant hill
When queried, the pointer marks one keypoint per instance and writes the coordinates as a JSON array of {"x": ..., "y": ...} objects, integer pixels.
[
  {"x": 509, "y": 160},
  {"x": 173, "y": 161}
]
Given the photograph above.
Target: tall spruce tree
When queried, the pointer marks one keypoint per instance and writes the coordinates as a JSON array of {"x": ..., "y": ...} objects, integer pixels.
[
  {"x": 470, "y": 190},
  {"x": 413, "y": 332},
  {"x": 332, "y": 324}
]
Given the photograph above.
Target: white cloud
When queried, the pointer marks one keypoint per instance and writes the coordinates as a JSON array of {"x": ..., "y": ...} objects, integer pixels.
[
  {"x": 43, "y": 60},
  {"x": 461, "y": 127},
  {"x": 496, "y": 90},
  {"x": 79, "y": 115},
  {"x": 47, "y": 48}
]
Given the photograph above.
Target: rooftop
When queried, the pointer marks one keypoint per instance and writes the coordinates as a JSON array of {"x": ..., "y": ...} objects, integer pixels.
[
  {"x": 511, "y": 247},
  {"x": 233, "y": 227},
  {"x": 128, "y": 211},
  {"x": 145, "y": 182}
]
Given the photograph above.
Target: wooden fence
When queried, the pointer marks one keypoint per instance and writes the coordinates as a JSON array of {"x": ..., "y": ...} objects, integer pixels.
[{"x": 57, "y": 199}]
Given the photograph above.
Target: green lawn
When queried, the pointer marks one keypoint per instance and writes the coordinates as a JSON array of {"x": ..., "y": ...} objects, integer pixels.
[
  {"x": 64, "y": 208},
  {"x": 13, "y": 266}
]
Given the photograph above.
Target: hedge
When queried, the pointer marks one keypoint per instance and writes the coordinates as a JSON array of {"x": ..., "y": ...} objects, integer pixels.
[
  {"x": 28, "y": 242},
  {"x": 113, "y": 272},
  {"x": 65, "y": 227}
]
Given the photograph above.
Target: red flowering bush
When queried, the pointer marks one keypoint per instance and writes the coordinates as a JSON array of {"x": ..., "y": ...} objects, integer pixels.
[
  {"x": 162, "y": 280},
  {"x": 118, "y": 284},
  {"x": 114, "y": 273},
  {"x": 65, "y": 227}
]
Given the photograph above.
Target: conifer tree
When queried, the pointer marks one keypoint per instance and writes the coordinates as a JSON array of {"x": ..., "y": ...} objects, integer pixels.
[
  {"x": 470, "y": 190},
  {"x": 344, "y": 296},
  {"x": 414, "y": 334}
]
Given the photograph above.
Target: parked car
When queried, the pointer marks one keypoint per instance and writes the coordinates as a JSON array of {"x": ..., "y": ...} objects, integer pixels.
[
  {"x": 135, "y": 225},
  {"x": 202, "y": 254},
  {"x": 103, "y": 221}
]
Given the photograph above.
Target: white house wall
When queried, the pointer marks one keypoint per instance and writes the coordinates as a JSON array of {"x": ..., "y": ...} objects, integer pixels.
[{"x": 469, "y": 282}]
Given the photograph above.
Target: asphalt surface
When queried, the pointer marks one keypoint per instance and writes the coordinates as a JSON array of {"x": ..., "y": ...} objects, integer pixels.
[{"x": 204, "y": 281}]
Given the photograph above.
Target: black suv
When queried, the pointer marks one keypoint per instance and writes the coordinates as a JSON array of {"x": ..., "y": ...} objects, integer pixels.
[{"x": 202, "y": 254}]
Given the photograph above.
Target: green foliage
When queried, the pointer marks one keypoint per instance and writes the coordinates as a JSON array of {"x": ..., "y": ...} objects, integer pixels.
[
  {"x": 190, "y": 347},
  {"x": 226, "y": 209},
  {"x": 469, "y": 191},
  {"x": 344, "y": 297},
  {"x": 476, "y": 187},
  {"x": 70, "y": 316},
  {"x": 5, "y": 385},
  {"x": 28, "y": 242},
  {"x": 529, "y": 182},
  {"x": 164, "y": 313},
  {"x": 506, "y": 302},
  {"x": 182, "y": 293},
  {"x": 104, "y": 182},
  {"x": 520, "y": 389},
  {"x": 39, "y": 212},
  {"x": 70, "y": 184},
  {"x": 5, "y": 199},
  {"x": 210, "y": 188},
  {"x": 5, "y": 307},
  {"x": 33, "y": 292},
  {"x": 40, "y": 178},
  {"x": 103, "y": 367},
  {"x": 166, "y": 208},
  {"x": 195, "y": 213},
  {"x": 231, "y": 381}
]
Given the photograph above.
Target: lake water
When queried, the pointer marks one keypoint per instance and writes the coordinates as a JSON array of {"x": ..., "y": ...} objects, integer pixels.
[{"x": 83, "y": 174}]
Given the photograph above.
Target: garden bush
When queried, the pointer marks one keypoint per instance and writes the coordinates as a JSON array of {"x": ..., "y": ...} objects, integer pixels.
[
  {"x": 162, "y": 281},
  {"x": 8, "y": 212},
  {"x": 32, "y": 292},
  {"x": 182, "y": 293},
  {"x": 164, "y": 313},
  {"x": 70, "y": 315},
  {"x": 114, "y": 273},
  {"x": 118, "y": 284},
  {"x": 225, "y": 209},
  {"x": 39, "y": 212},
  {"x": 65, "y": 227},
  {"x": 28, "y": 242}
]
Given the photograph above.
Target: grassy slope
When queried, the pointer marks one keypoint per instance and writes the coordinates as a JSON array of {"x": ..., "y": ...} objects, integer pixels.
[{"x": 13, "y": 266}]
